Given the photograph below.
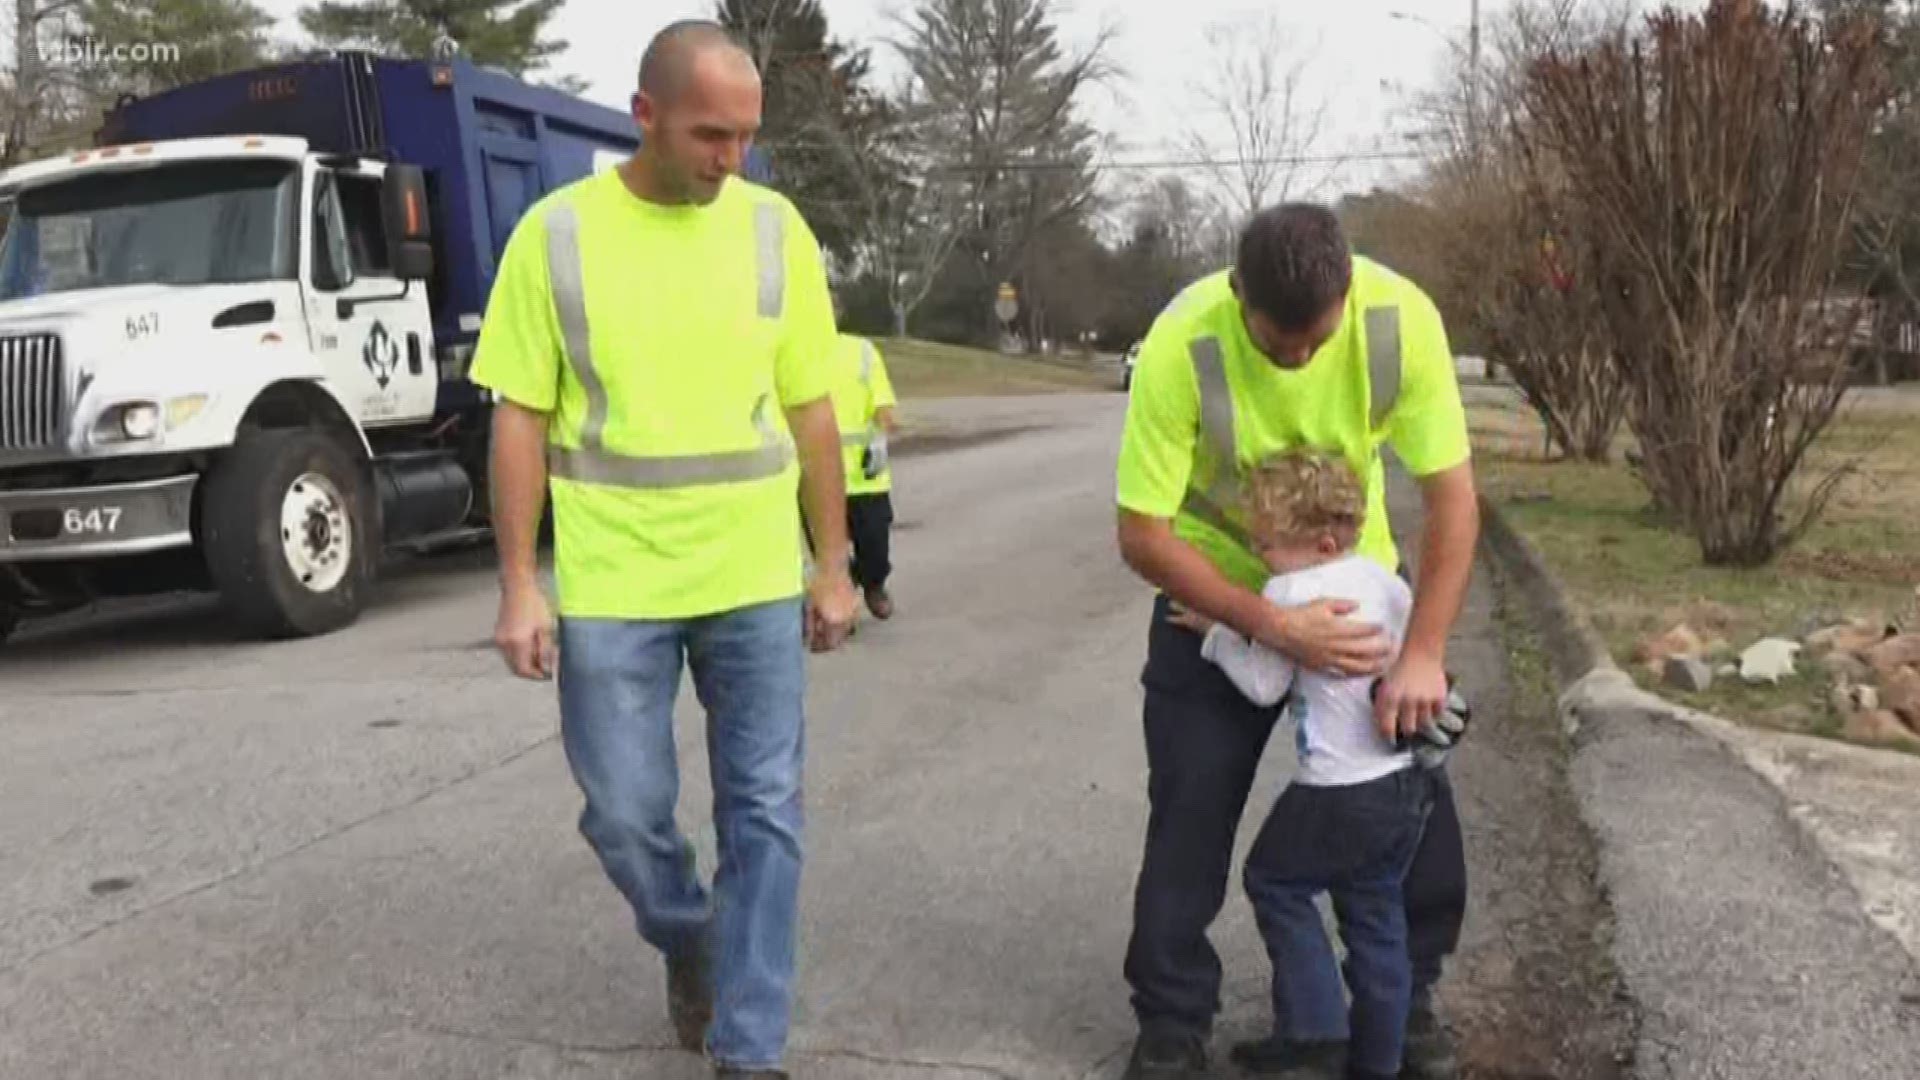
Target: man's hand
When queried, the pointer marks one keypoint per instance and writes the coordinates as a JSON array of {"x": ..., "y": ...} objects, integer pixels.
[
  {"x": 831, "y": 608},
  {"x": 1319, "y": 637},
  {"x": 524, "y": 633},
  {"x": 1192, "y": 620},
  {"x": 1411, "y": 696}
]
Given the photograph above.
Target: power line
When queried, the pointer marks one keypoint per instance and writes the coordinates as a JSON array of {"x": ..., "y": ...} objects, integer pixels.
[
  {"x": 1183, "y": 163},
  {"x": 961, "y": 168}
]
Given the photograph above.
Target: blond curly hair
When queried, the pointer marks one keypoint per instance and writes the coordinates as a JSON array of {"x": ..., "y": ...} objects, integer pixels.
[{"x": 1297, "y": 496}]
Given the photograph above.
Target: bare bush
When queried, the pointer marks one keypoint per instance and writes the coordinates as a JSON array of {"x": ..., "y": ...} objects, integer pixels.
[
  {"x": 1711, "y": 163},
  {"x": 1535, "y": 304},
  {"x": 1509, "y": 277},
  {"x": 1263, "y": 96}
]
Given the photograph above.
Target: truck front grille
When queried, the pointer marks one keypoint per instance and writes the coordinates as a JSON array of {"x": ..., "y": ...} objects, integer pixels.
[{"x": 33, "y": 391}]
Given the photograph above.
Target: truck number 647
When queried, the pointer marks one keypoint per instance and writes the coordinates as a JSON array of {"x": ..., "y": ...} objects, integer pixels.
[{"x": 98, "y": 520}]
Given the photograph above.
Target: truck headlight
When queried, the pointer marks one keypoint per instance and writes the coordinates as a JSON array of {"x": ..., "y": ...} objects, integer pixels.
[
  {"x": 129, "y": 421},
  {"x": 140, "y": 421}
]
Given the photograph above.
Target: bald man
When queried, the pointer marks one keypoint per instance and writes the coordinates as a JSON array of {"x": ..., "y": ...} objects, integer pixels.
[{"x": 649, "y": 329}]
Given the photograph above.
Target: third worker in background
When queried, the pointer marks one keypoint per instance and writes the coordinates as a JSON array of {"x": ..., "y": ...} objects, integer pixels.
[{"x": 863, "y": 402}]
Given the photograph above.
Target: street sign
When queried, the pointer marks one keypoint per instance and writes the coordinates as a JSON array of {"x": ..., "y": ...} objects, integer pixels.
[{"x": 1007, "y": 304}]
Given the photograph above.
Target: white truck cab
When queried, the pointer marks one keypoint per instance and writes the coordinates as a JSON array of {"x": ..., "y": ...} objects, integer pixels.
[{"x": 217, "y": 368}]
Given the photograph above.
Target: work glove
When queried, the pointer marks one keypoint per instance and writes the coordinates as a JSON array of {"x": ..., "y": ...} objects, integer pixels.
[
  {"x": 1436, "y": 739},
  {"x": 874, "y": 461}
]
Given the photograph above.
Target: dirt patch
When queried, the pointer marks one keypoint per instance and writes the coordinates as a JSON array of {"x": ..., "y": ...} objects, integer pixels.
[
  {"x": 1886, "y": 567},
  {"x": 1534, "y": 992}
]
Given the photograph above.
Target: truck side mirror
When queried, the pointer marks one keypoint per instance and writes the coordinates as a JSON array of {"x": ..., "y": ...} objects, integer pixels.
[{"x": 403, "y": 212}]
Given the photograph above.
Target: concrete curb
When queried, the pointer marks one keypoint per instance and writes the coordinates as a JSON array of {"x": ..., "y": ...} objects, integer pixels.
[
  {"x": 1591, "y": 684},
  {"x": 1573, "y": 645},
  {"x": 1679, "y": 803}
]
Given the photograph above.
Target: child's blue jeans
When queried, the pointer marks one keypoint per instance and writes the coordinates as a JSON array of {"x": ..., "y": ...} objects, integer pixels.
[{"x": 1356, "y": 843}]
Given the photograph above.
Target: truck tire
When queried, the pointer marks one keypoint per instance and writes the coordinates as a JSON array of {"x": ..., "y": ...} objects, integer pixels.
[{"x": 288, "y": 533}]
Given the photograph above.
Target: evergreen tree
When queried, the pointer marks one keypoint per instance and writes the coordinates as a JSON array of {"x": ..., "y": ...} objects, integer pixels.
[
  {"x": 507, "y": 34},
  {"x": 814, "y": 90},
  {"x": 168, "y": 43}
]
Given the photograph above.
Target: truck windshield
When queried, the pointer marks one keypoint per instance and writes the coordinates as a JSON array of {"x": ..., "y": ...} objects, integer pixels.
[{"x": 195, "y": 223}]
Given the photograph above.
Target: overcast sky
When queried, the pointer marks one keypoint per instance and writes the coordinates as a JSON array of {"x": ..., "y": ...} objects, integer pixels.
[{"x": 1158, "y": 45}]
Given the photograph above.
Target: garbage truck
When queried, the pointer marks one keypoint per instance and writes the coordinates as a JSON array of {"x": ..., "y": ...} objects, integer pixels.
[{"x": 235, "y": 331}]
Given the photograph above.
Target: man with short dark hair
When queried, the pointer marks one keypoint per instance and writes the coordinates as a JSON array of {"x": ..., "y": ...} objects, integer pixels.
[
  {"x": 1300, "y": 344},
  {"x": 659, "y": 337}
]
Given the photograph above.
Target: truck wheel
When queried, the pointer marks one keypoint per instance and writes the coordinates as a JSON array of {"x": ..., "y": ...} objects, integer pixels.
[{"x": 288, "y": 533}]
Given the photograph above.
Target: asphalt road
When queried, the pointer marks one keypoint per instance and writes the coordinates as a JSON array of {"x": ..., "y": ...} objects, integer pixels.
[{"x": 356, "y": 856}]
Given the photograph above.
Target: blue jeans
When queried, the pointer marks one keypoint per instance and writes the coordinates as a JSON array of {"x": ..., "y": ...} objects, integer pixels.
[
  {"x": 1355, "y": 842},
  {"x": 1203, "y": 742},
  {"x": 618, "y": 681}
]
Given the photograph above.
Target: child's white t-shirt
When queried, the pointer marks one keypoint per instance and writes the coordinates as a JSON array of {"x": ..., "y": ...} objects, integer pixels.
[{"x": 1335, "y": 733}]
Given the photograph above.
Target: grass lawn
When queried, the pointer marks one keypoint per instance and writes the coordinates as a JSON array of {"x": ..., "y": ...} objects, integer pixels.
[
  {"x": 924, "y": 369},
  {"x": 1637, "y": 579}
]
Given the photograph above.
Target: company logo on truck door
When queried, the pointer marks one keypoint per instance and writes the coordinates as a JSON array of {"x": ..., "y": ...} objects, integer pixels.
[{"x": 381, "y": 354}]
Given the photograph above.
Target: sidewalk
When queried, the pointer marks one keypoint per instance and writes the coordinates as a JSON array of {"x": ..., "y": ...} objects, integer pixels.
[{"x": 1746, "y": 951}]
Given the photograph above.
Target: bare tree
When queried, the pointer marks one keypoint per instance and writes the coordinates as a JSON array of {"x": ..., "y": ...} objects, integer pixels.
[
  {"x": 39, "y": 98},
  {"x": 1533, "y": 300},
  {"x": 1887, "y": 259},
  {"x": 1182, "y": 216},
  {"x": 1513, "y": 277},
  {"x": 1003, "y": 95},
  {"x": 1712, "y": 163},
  {"x": 905, "y": 219},
  {"x": 759, "y": 24},
  {"x": 1264, "y": 97}
]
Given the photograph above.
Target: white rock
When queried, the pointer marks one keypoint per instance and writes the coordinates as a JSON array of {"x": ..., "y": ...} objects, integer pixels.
[{"x": 1769, "y": 660}]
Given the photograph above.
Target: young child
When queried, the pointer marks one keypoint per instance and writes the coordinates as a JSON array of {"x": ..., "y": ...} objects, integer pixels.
[{"x": 1352, "y": 818}]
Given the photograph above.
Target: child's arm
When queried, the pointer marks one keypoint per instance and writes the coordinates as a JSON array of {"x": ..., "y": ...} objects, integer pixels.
[{"x": 1259, "y": 672}]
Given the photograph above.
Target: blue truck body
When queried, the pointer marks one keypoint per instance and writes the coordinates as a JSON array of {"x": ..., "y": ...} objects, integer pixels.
[{"x": 489, "y": 144}]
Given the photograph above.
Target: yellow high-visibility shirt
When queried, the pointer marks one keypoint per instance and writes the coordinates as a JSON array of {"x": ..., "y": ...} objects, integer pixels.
[
  {"x": 1324, "y": 405},
  {"x": 855, "y": 403},
  {"x": 703, "y": 325}
]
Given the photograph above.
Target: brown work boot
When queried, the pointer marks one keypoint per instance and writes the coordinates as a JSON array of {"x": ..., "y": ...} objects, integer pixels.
[
  {"x": 879, "y": 603},
  {"x": 690, "y": 998}
]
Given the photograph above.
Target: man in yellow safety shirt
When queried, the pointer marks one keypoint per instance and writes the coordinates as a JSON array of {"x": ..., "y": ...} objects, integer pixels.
[
  {"x": 863, "y": 402},
  {"x": 657, "y": 339},
  {"x": 1300, "y": 344}
]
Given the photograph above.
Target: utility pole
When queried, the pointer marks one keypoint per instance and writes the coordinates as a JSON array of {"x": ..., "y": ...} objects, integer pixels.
[
  {"x": 1473, "y": 64},
  {"x": 1473, "y": 78}
]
